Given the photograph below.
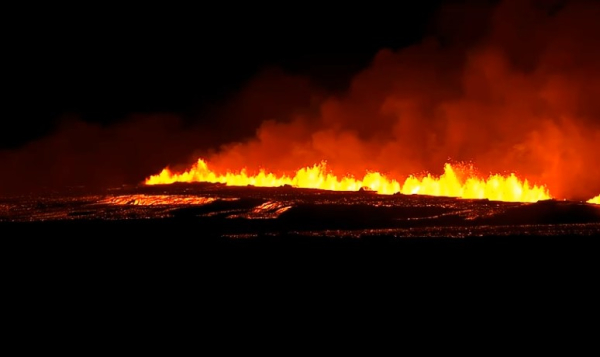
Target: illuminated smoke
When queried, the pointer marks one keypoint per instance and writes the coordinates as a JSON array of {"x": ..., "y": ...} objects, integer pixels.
[
  {"x": 521, "y": 98},
  {"x": 514, "y": 89}
]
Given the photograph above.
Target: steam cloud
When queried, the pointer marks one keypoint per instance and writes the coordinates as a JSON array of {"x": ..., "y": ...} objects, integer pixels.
[{"x": 513, "y": 89}]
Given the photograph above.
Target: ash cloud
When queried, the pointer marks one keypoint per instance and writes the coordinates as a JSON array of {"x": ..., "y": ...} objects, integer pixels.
[{"x": 510, "y": 88}]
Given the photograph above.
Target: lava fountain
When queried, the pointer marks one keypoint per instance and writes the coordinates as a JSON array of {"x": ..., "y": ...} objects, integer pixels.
[
  {"x": 595, "y": 200},
  {"x": 456, "y": 181}
]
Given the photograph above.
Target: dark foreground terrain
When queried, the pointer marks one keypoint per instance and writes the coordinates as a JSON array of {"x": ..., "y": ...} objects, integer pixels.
[
  {"x": 191, "y": 217},
  {"x": 188, "y": 258},
  {"x": 203, "y": 211},
  {"x": 178, "y": 228},
  {"x": 196, "y": 242}
]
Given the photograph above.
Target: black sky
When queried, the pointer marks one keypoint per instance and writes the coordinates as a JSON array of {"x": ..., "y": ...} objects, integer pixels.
[{"x": 103, "y": 64}]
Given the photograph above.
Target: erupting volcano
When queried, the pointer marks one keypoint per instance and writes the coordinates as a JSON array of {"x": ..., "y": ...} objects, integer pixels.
[
  {"x": 456, "y": 181},
  {"x": 517, "y": 97},
  {"x": 510, "y": 86},
  {"x": 479, "y": 119}
]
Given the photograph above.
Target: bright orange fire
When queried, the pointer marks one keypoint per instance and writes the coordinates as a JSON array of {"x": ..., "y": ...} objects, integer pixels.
[
  {"x": 595, "y": 200},
  {"x": 454, "y": 182}
]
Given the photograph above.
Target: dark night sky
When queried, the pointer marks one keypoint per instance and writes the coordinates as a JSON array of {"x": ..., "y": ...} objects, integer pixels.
[{"x": 103, "y": 64}]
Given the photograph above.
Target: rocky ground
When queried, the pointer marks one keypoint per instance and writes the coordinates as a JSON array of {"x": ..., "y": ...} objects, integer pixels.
[
  {"x": 202, "y": 239},
  {"x": 232, "y": 226},
  {"x": 217, "y": 211}
]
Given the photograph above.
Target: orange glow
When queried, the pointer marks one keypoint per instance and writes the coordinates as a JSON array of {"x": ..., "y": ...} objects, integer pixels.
[
  {"x": 595, "y": 200},
  {"x": 153, "y": 200},
  {"x": 454, "y": 182}
]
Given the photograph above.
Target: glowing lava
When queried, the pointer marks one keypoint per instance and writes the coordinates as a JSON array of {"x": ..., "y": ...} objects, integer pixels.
[
  {"x": 452, "y": 183},
  {"x": 595, "y": 200},
  {"x": 152, "y": 200}
]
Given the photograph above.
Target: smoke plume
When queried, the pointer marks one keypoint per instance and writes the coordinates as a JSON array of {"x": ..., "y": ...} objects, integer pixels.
[
  {"x": 513, "y": 88},
  {"x": 519, "y": 95}
]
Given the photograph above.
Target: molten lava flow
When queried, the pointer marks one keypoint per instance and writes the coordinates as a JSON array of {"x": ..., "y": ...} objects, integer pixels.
[
  {"x": 595, "y": 200},
  {"x": 152, "y": 200},
  {"x": 453, "y": 183}
]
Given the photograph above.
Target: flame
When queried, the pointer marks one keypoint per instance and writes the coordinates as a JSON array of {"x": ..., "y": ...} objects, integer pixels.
[
  {"x": 595, "y": 200},
  {"x": 454, "y": 182}
]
